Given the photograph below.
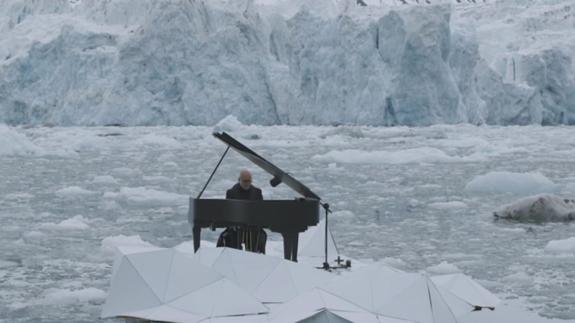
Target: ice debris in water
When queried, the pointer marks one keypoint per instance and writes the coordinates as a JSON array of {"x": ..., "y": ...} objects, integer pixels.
[
  {"x": 509, "y": 182},
  {"x": 539, "y": 208},
  {"x": 443, "y": 268},
  {"x": 13, "y": 143},
  {"x": 109, "y": 244},
  {"x": 566, "y": 246},
  {"x": 228, "y": 124}
]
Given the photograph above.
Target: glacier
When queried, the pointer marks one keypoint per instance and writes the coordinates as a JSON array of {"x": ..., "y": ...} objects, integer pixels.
[{"x": 267, "y": 62}]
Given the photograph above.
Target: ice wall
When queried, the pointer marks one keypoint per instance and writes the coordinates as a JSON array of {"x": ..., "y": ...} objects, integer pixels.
[{"x": 179, "y": 62}]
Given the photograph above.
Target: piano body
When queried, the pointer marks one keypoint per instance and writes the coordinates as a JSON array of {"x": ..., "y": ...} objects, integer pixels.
[{"x": 288, "y": 217}]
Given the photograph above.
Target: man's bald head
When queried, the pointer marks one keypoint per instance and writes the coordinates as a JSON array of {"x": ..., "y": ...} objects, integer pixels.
[{"x": 245, "y": 179}]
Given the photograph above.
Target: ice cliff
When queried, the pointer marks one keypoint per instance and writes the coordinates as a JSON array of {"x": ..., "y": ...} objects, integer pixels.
[{"x": 180, "y": 62}]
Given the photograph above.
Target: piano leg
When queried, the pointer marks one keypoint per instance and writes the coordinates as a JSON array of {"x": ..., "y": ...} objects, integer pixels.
[
  {"x": 196, "y": 236},
  {"x": 255, "y": 239},
  {"x": 290, "y": 245}
]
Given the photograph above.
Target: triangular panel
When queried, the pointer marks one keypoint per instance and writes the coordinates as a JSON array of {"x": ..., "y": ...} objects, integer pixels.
[
  {"x": 278, "y": 287},
  {"x": 467, "y": 289},
  {"x": 128, "y": 292},
  {"x": 165, "y": 313},
  {"x": 154, "y": 267},
  {"x": 246, "y": 269},
  {"x": 187, "y": 275},
  {"x": 207, "y": 255},
  {"x": 219, "y": 299},
  {"x": 306, "y": 277},
  {"x": 312, "y": 242},
  {"x": 325, "y": 316},
  {"x": 411, "y": 301},
  {"x": 355, "y": 288},
  {"x": 441, "y": 312}
]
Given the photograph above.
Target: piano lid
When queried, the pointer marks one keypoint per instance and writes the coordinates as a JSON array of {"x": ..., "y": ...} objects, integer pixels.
[{"x": 279, "y": 176}]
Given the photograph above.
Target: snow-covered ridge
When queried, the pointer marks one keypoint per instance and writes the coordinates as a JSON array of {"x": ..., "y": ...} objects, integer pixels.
[{"x": 179, "y": 62}]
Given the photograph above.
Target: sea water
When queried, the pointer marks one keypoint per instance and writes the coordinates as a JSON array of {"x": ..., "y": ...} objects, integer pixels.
[{"x": 398, "y": 195}]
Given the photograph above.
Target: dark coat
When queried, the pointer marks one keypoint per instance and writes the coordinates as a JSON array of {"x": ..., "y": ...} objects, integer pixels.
[
  {"x": 238, "y": 193},
  {"x": 254, "y": 238}
]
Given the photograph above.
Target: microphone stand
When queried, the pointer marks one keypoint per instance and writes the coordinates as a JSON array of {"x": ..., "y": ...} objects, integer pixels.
[
  {"x": 341, "y": 263},
  {"x": 327, "y": 211}
]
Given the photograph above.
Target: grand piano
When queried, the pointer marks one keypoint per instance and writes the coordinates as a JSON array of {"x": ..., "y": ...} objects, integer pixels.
[{"x": 288, "y": 217}]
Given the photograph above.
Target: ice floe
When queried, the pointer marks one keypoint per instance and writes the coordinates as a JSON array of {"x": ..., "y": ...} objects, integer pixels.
[
  {"x": 414, "y": 155},
  {"x": 147, "y": 197},
  {"x": 539, "y": 208},
  {"x": 566, "y": 246},
  {"x": 77, "y": 222},
  {"x": 509, "y": 182}
]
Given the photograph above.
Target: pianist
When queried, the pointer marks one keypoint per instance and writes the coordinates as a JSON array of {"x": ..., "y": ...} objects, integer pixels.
[{"x": 253, "y": 237}]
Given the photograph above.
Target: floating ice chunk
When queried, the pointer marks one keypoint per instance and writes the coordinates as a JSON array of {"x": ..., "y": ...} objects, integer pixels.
[
  {"x": 570, "y": 188},
  {"x": 188, "y": 246},
  {"x": 110, "y": 244},
  {"x": 73, "y": 192},
  {"x": 104, "y": 179},
  {"x": 107, "y": 204},
  {"x": 157, "y": 179},
  {"x": 520, "y": 277},
  {"x": 229, "y": 123},
  {"x": 343, "y": 214},
  {"x": 514, "y": 230},
  {"x": 414, "y": 155},
  {"x": 353, "y": 132},
  {"x": 125, "y": 171},
  {"x": 507, "y": 313},
  {"x": 453, "y": 205},
  {"x": 66, "y": 296},
  {"x": 443, "y": 268},
  {"x": 146, "y": 197},
  {"x": 333, "y": 166},
  {"x": 75, "y": 223},
  {"x": 159, "y": 141},
  {"x": 13, "y": 143},
  {"x": 167, "y": 157},
  {"x": 539, "y": 208},
  {"x": 394, "y": 262},
  {"x": 31, "y": 235},
  {"x": 566, "y": 246},
  {"x": 517, "y": 183},
  {"x": 170, "y": 164},
  {"x": 18, "y": 196},
  {"x": 465, "y": 142},
  {"x": 8, "y": 264}
]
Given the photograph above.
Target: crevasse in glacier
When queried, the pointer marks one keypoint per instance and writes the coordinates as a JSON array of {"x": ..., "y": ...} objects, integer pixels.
[{"x": 144, "y": 62}]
